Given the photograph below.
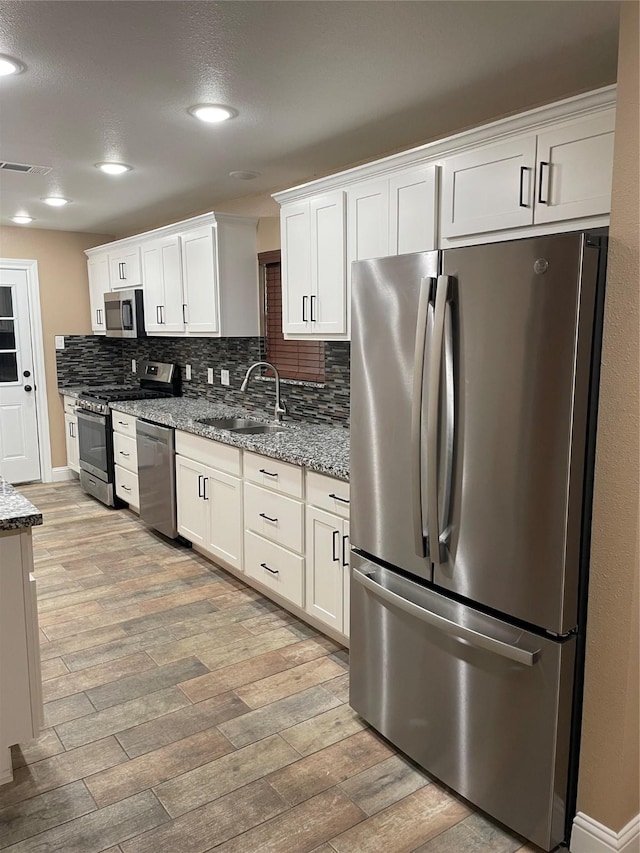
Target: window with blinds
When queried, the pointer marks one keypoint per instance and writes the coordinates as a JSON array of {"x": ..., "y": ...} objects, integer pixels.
[{"x": 301, "y": 360}]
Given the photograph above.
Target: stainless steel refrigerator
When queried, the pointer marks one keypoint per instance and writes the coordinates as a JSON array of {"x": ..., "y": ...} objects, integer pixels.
[{"x": 474, "y": 378}]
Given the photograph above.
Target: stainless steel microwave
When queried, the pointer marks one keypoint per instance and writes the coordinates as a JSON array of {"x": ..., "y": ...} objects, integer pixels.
[{"x": 124, "y": 314}]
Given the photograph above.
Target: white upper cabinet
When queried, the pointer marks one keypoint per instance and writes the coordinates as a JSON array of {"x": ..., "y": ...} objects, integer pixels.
[
  {"x": 125, "y": 269},
  {"x": 368, "y": 221},
  {"x": 313, "y": 267},
  {"x": 413, "y": 196},
  {"x": 162, "y": 275},
  {"x": 489, "y": 189},
  {"x": 200, "y": 277},
  {"x": 575, "y": 164},
  {"x": 98, "y": 271}
]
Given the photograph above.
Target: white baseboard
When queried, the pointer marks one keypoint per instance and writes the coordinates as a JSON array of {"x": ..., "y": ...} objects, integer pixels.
[
  {"x": 59, "y": 475},
  {"x": 589, "y": 836}
]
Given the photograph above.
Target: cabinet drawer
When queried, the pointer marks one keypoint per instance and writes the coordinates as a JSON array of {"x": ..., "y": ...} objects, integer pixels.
[
  {"x": 279, "y": 476},
  {"x": 127, "y": 486},
  {"x": 125, "y": 451},
  {"x": 276, "y": 568},
  {"x": 328, "y": 493},
  {"x": 274, "y": 516},
  {"x": 209, "y": 452},
  {"x": 125, "y": 424},
  {"x": 70, "y": 404}
]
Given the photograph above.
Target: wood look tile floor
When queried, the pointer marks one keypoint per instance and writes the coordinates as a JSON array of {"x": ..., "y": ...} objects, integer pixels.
[{"x": 185, "y": 713}]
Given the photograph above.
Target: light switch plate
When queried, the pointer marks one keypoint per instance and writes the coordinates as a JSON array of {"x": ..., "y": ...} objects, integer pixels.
[
  {"x": 224, "y": 377},
  {"x": 187, "y": 371},
  {"x": 134, "y": 368},
  {"x": 59, "y": 339},
  {"x": 210, "y": 375}
]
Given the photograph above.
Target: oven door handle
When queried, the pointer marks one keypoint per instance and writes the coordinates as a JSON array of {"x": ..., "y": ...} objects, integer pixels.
[{"x": 92, "y": 416}]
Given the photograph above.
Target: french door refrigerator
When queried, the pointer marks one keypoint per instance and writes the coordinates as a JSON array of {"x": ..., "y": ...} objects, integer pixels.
[{"x": 474, "y": 378}]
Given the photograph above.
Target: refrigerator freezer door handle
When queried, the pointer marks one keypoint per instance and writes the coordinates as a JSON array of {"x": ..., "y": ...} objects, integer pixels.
[
  {"x": 424, "y": 309},
  {"x": 449, "y": 437},
  {"x": 433, "y": 418},
  {"x": 474, "y": 638}
]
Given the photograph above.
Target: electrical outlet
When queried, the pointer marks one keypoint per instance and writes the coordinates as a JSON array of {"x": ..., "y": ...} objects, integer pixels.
[
  {"x": 210, "y": 375},
  {"x": 59, "y": 341},
  {"x": 224, "y": 377},
  {"x": 134, "y": 366},
  {"x": 187, "y": 371}
]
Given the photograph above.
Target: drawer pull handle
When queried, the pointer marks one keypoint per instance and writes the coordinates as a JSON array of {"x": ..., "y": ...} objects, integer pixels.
[
  {"x": 268, "y": 473},
  {"x": 336, "y": 540},
  {"x": 122, "y": 453},
  {"x": 338, "y": 498},
  {"x": 124, "y": 424},
  {"x": 267, "y": 518},
  {"x": 126, "y": 488},
  {"x": 345, "y": 552},
  {"x": 273, "y": 571}
]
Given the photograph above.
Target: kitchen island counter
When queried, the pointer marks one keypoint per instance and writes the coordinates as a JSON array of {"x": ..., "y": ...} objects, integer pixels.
[
  {"x": 317, "y": 447},
  {"x": 16, "y": 512}
]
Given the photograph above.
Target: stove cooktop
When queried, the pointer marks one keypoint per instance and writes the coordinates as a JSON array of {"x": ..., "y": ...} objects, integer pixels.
[{"x": 112, "y": 393}]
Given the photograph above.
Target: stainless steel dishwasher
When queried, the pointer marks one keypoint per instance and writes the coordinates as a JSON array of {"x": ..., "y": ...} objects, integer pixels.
[{"x": 156, "y": 477}]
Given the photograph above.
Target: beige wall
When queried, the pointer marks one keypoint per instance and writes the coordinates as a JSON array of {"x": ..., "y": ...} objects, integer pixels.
[
  {"x": 64, "y": 301},
  {"x": 608, "y": 784}
]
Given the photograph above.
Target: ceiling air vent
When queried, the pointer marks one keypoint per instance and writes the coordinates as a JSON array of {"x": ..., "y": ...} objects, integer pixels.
[{"x": 24, "y": 167}]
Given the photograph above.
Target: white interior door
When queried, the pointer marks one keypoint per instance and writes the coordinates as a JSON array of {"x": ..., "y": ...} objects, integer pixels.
[{"x": 19, "y": 452}]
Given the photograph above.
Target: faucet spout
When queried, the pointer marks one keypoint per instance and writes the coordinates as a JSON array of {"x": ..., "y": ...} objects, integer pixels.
[{"x": 280, "y": 408}]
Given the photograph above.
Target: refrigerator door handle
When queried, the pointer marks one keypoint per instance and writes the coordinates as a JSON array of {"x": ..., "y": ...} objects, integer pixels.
[
  {"x": 447, "y": 626},
  {"x": 425, "y": 310},
  {"x": 437, "y": 551},
  {"x": 449, "y": 435}
]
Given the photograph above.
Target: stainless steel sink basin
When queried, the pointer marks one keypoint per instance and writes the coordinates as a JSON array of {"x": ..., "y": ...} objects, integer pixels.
[
  {"x": 228, "y": 423},
  {"x": 258, "y": 428},
  {"x": 244, "y": 425}
]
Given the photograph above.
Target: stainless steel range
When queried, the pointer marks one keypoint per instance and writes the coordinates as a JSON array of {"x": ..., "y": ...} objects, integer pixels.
[{"x": 95, "y": 434}]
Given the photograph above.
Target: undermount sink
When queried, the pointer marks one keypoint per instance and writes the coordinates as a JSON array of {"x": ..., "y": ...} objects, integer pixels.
[
  {"x": 243, "y": 425},
  {"x": 227, "y": 423}
]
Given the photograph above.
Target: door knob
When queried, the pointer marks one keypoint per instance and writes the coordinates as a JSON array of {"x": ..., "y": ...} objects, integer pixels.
[{"x": 28, "y": 388}]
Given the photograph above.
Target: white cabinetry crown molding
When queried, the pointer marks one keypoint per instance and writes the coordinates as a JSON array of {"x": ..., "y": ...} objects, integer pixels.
[
  {"x": 577, "y": 106},
  {"x": 590, "y": 836},
  {"x": 210, "y": 218}
]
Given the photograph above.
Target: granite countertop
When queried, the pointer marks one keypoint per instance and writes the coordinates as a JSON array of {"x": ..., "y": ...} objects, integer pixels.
[
  {"x": 318, "y": 447},
  {"x": 16, "y": 511},
  {"x": 73, "y": 391}
]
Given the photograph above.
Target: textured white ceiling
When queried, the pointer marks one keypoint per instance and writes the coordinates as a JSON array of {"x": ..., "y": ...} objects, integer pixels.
[{"x": 318, "y": 86}]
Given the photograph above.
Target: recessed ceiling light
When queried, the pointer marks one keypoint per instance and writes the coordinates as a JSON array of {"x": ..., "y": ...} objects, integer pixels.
[
  {"x": 9, "y": 65},
  {"x": 22, "y": 220},
  {"x": 212, "y": 113},
  {"x": 244, "y": 176},
  {"x": 112, "y": 168},
  {"x": 55, "y": 201}
]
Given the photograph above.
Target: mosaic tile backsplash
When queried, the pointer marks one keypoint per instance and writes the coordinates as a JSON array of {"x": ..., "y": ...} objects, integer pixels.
[{"x": 95, "y": 360}]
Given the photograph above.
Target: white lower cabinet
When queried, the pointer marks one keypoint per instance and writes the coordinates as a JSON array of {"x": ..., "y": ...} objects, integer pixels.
[
  {"x": 275, "y": 567},
  {"x": 127, "y": 487},
  {"x": 71, "y": 440},
  {"x": 125, "y": 457},
  {"x": 327, "y": 565},
  {"x": 21, "y": 713},
  {"x": 209, "y": 509}
]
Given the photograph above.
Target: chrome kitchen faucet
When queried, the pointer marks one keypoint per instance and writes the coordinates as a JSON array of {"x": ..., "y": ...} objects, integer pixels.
[{"x": 280, "y": 408}]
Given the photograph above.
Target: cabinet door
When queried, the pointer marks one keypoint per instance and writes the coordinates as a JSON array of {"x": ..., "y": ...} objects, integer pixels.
[
  {"x": 162, "y": 276},
  {"x": 489, "y": 189},
  {"x": 368, "y": 221},
  {"x": 125, "y": 268},
  {"x": 328, "y": 303},
  {"x": 575, "y": 165},
  {"x": 324, "y": 587},
  {"x": 200, "y": 279},
  {"x": 98, "y": 270},
  {"x": 71, "y": 438},
  {"x": 192, "y": 509},
  {"x": 412, "y": 211},
  {"x": 223, "y": 497},
  {"x": 295, "y": 227},
  {"x": 346, "y": 577}
]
